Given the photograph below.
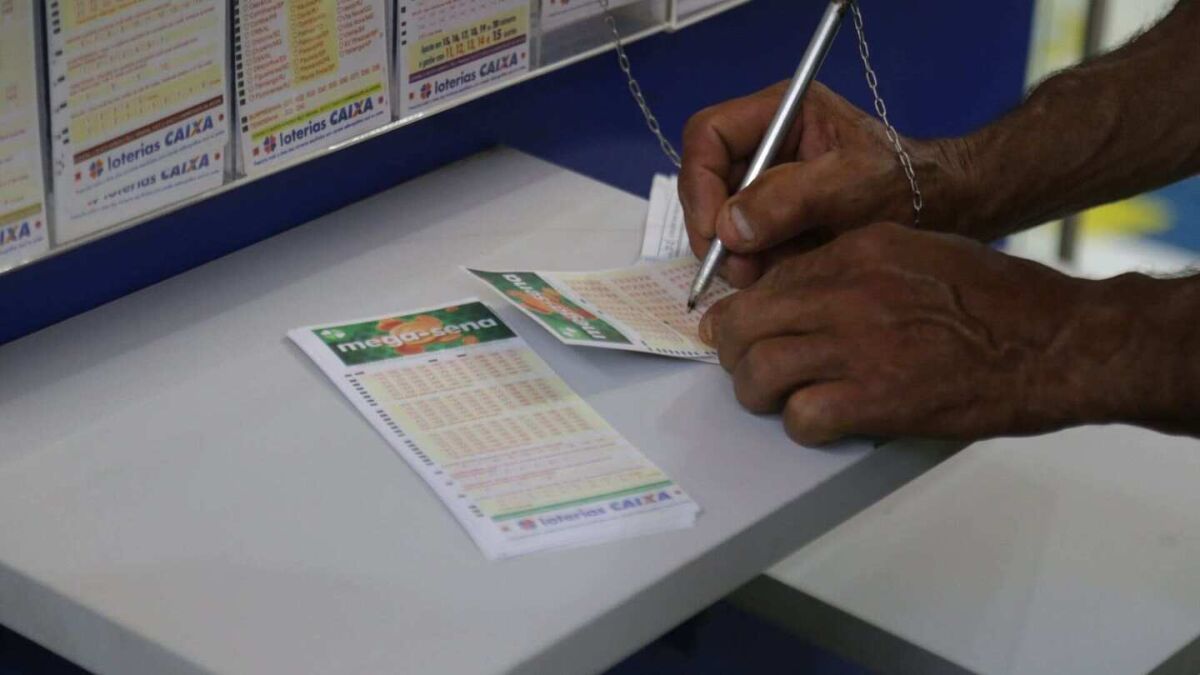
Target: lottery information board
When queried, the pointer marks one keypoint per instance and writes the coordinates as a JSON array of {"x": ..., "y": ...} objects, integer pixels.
[
  {"x": 522, "y": 462},
  {"x": 310, "y": 74},
  {"x": 24, "y": 231},
  {"x": 447, "y": 49},
  {"x": 139, "y": 106}
]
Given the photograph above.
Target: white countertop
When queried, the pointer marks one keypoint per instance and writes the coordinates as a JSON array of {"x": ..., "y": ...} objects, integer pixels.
[
  {"x": 1075, "y": 552},
  {"x": 181, "y": 490}
]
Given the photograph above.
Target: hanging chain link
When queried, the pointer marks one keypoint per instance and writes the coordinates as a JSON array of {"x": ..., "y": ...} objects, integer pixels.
[
  {"x": 864, "y": 52},
  {"x": 635, "y": 89}
]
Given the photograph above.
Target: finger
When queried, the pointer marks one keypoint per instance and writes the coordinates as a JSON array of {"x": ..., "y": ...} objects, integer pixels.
[
  {"x": 754, "y": 315},
  {"x": 772, "y": 369},
  {"x": 785, "y": 201},
  {"x": 822, "y": 413},
  {"x": 716, "y": 141},
  {"x": 712, "y": 319},
  {"x": 742, "y": 271},
  {"x": 837, "y": 189},
  {"x": 739, "y": 270}
]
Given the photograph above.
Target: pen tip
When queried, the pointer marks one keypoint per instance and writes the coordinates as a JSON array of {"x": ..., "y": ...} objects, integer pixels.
[{"x": 691, "y": 306}]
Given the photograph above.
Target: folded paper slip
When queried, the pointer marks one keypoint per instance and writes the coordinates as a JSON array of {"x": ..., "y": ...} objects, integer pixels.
[
  {"x": 641, "y": 308},
  {"x": 665, "y": 236},
  {"x": 521, "y": 461}
]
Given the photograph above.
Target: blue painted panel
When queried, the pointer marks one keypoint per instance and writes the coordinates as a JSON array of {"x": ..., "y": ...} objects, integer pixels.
[{"x": 946, "y": 66}]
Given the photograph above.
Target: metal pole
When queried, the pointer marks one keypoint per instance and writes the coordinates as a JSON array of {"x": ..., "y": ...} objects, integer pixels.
[{"x": 1068, "y": 235}]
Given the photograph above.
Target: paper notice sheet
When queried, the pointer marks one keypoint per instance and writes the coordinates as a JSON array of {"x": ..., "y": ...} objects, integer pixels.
[
  {"x": 557, "y": 13},
  {"x": 641, "y": 309},
  {"x": 139, "y": 106},
  {"x": 23, "y": 231},
  {"x": 521, "y": 461},
  {"x": 447, "y": 49},
  {"x": 311, "y": 73},
  {"x": 666, "y": 236}
]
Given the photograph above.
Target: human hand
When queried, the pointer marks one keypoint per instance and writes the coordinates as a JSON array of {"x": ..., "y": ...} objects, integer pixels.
[
  {"x": 891, "y": 331},
  {"x": 836, "y": 170}
]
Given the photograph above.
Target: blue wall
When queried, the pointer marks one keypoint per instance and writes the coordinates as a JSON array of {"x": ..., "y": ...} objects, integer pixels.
[{"x": 945, "y": 66}]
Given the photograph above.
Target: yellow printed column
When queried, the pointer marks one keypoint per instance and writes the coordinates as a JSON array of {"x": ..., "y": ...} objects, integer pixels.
[{"x": 312, "y": 29}]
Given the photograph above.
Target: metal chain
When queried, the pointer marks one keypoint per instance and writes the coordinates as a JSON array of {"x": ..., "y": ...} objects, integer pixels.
[
  {"x": 864, "y": 51},
  {"x": 635, "y": 89},
  {"x": 918, "y": 201}
]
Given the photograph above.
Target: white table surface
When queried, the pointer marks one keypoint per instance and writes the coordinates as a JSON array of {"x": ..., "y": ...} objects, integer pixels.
[
  {"x": 1075, "y": 552},
  {"x": 182, "y": 491}
]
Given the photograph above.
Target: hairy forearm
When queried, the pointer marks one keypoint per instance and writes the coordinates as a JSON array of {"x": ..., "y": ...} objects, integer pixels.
[
  {"x": 1130, "y": 354},
  {"x": 1107, "y": 129}
]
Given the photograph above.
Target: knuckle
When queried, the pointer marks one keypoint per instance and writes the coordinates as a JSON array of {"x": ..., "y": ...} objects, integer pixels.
[
  {"x": 868, "y": 244},
  {"x": 811, "y": 420},
  {"x": 731, "y": 324},
  {"x": 699, "y": 123},
  {"x": 754, "y": 375}
]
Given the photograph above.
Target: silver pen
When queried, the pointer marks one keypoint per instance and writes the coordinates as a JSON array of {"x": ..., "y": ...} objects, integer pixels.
[{"x": 778, "y": 130}]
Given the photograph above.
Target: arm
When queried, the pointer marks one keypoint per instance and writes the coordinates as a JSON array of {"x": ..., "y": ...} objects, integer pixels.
[{"x": 1107, "y": 129}]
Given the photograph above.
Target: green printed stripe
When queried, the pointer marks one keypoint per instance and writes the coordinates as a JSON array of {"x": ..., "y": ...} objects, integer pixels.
[
  {"x": 12, "y": 216},
  {"x": 304, "y": 117},
  {"x": 574, "y": 502}
]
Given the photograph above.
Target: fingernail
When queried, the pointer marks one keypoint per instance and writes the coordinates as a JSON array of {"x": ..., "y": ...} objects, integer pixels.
[
  {"x": 706, "y": 329},
  {"x": 741, "y": 224}
]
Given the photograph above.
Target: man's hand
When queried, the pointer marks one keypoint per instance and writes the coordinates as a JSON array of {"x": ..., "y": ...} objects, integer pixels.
[
  {"x": 890, "y": 331},
  {"x": 836, "y": 171}
]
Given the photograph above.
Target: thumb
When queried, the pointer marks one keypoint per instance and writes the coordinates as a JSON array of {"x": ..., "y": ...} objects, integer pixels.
[{"x": 790, "y": 199}]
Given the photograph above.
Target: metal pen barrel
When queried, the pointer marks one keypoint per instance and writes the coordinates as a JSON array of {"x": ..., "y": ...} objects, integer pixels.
[{"x": 777, "y": 131}]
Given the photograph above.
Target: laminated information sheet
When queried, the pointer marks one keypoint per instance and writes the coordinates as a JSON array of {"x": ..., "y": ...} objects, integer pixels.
[
  {"x": 558, "y": 13},
  {"x": 686, "y": 7},
  {"x": 641, "y": 309},
  {"x": 446, "y": 49},
  {"x": 665, "y": 237},
  {"x": 521, "y": 461},
  {"x": 23, "y": 233},
  {"x": 310, "y": 74},
  {"x": 139, "y": 106}
]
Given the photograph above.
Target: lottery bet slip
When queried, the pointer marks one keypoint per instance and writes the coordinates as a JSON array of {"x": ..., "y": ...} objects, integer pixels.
[
  {"x": 641, "y": 308},
  {"x": 521, "y": 461}
]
